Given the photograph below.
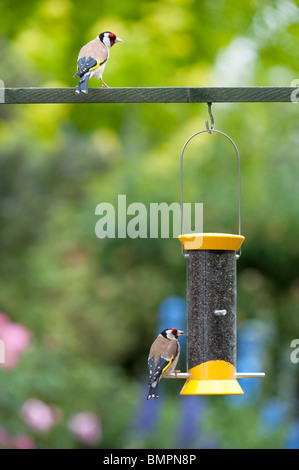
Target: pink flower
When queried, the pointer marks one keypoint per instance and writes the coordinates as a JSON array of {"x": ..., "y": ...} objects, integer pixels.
[
  {"x": 38, "y": 415},
  {"x": 3, "y": 319},
  {"x": 15, "y": 339},
  {"x": 21, "y": 441},
  {"x": 4, "y": 438},
  {"x": 86, "y": 428}
]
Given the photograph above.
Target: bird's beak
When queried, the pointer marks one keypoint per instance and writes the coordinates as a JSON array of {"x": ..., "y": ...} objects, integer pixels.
[
  {"x": 119, "y": 40},
  {"x": 180, "y": 333}
]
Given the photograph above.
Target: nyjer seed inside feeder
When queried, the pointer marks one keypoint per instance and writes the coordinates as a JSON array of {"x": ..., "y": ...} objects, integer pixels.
[{"x": 211, "y": 304}]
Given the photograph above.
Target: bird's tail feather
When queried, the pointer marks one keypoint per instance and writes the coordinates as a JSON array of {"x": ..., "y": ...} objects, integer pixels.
[
  {"x": 82, "y": 86},
  {"x": 153, "y": 391}
]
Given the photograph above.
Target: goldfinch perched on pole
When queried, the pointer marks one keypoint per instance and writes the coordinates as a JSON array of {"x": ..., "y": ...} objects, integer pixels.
[
  {"x": 92, "y": 59},
  {"x": 162, "y": 358}
]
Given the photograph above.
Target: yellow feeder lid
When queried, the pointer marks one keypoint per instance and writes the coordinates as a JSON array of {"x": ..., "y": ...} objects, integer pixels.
[{"x": 211, "y": 241}]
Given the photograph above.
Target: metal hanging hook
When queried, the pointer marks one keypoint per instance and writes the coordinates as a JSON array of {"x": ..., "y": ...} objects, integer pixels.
[
  {"x": 212, "y": 119},
  {"x": 210, "y": 131}
]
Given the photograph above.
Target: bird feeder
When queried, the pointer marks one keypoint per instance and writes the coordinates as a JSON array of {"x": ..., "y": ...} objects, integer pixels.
[{"x": 211, "y": 304}]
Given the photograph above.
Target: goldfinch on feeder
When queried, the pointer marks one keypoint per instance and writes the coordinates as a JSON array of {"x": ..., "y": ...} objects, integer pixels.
[
  {"x": 92, "y": 59},
  {"x": 163, "y": 358}
]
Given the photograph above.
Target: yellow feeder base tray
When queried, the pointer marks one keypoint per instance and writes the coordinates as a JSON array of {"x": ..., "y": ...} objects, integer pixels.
[{"x": 212, "y": 378}]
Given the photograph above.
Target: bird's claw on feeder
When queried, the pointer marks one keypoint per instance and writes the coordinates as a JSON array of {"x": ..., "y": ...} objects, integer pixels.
[{"x": 176, "y": 372}]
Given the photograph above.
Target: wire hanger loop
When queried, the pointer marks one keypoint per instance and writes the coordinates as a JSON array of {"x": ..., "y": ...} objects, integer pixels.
[
  {"x": 212, "y": 119},
  {"x": 211, "y": 130}
]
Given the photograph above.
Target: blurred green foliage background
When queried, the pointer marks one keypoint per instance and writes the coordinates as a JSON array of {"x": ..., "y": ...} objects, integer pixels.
[{"x": 92, "y": 305}]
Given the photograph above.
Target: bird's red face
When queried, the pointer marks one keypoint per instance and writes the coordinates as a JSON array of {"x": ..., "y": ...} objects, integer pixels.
[
  {"x": 176, "y": 333},
  {"x": 113, "y": 39},
  {"x": 108, "y": 39},
  {"x": 171, "y": 333}
]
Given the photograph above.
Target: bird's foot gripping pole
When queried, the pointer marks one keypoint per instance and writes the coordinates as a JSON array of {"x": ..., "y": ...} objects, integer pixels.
[{"x": 104, "y": 84}]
